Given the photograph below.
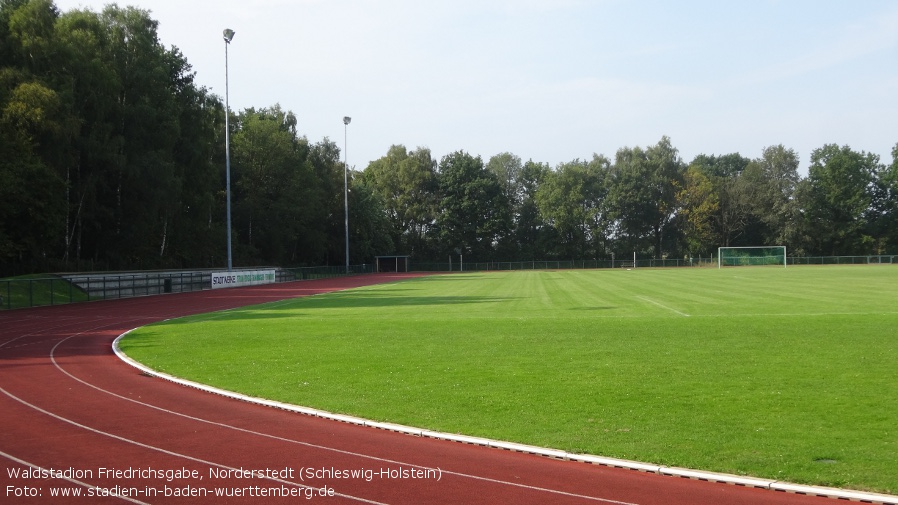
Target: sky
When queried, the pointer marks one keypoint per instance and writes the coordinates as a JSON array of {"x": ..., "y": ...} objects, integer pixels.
[{"x": 552, "y": 80}]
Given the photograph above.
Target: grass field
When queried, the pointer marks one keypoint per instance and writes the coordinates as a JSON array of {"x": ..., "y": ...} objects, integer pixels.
[{"x": 787, "y": 374}]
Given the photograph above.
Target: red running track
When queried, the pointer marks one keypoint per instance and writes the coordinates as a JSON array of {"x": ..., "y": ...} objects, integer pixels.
[{"x": 76, "y": 419}]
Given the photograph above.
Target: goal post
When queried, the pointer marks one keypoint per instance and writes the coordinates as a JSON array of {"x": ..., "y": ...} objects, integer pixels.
[{"x": 751, "y": 256}]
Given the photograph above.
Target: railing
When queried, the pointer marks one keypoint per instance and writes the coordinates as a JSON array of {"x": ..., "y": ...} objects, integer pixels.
[{"x": 126, "y": 285}]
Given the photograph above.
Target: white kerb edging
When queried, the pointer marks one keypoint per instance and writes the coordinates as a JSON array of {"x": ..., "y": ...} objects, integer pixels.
[{"x": 512, "y": 446}]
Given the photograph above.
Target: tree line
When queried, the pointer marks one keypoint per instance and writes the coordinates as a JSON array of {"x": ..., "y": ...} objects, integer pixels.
[
  {"x": 645, "y": 200},
  {"x": 112, "y": 157}
]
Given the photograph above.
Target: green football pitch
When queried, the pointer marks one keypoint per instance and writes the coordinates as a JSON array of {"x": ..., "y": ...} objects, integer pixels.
[{"x": 781, "y": 373}]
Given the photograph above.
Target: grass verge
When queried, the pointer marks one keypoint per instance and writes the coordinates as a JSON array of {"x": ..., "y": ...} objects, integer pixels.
[{"x": 38, "y": 290}]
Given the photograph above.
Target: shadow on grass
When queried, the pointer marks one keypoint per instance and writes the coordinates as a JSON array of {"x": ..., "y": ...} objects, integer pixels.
[
  {"x": 362, "y": 299},
  {"x": 339, "y": 300}
]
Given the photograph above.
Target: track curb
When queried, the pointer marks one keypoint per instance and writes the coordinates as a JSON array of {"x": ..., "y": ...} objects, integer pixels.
[{"x": 773, "y": 485}]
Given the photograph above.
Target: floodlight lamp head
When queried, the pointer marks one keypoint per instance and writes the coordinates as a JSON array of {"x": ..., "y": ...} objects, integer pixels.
[
  {"x": 346, "y": 120},
  {"x": 228, "y": 35}
]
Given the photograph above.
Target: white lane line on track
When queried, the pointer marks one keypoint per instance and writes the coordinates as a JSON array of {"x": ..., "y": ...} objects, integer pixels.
[
  {"x": 40, "y": 331},
  {"x": 325, "y": 448},
  {"x": 166, "y": 451},
  {"x": 140, "y": 444},
  {"x": 73, "y": 481},
  {"x": 653, "y": 302}
]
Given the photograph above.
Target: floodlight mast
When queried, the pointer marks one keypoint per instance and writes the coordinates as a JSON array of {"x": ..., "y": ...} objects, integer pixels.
[
  {"x": 346, "y": 120},
  {"x": 228, "y": 36}
]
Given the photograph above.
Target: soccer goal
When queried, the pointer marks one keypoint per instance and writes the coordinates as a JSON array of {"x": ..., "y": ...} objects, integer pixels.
[{"x": 751, "y": 256}]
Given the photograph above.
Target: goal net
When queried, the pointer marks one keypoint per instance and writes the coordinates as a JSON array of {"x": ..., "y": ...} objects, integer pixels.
[{"x": 751, "y": 256}]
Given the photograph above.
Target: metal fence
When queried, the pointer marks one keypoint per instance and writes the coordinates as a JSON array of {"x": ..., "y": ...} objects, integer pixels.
[
  {"x": 557, "y": 265},
  {"x": 311, "y": 273},
  {"x": 58, "y": 289},
  {"x": 639, "y": 263},
  {"x": 843, "y": 260}
]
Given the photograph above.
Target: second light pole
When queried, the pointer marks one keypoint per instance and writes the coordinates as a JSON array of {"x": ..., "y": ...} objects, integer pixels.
[{"x": 346, "y": 120}]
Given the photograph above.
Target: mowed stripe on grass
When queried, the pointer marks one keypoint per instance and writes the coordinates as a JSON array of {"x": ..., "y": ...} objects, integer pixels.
[{"x": 778, "y": 373}]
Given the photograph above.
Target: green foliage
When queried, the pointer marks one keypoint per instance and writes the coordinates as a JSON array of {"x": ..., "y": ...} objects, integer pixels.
[
  {"x": 475, "y": 215},
  {"x": 732, "y": 219},
  {"x": 698, "y": 203},
  {"x": 775, "y": 177},
  {"x": 97, "y": 111},
  {"x": 883, "y": 213},
  {"x": 532, "y": 236},
  {"x": 271, "y": 186},
  {"x": 643, "y": 195},
  {"x": 112, "y": 157},
  {"x": 572, "y": 200},
  {"x": 839, "y": 194},
  {"x": 406, "y": 183}
]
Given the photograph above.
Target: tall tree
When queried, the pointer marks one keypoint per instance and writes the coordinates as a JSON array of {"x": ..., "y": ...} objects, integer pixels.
[
  {"x": 475, "y": 214},
  {"x": 369, "y": 227},
  {"x": 572, "y": 200},
  {"x": 839, "y": 196},
  {"x": 263, "y": 155},
  {"x": 883, "y": 216},
  {"x": 31, "y": 133},
  {"x": 328, "y": 170},
  {"x": 697, "y": 206},
  {"x": 773, "y": 178},
  {"x": 507, "y": 168},
  {"x": 643, "y": 195},
  {"x": 733, "y": 220},
  {"x": 31, "y": 192},
  {"x": 89, "y": 86},
  {"x": 407, "y": 185},
  {"x": 562, "y": 202},
  {"x": 531, "y": 233}
]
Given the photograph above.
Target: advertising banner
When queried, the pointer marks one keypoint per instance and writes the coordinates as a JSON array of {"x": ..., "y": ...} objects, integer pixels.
[{"x": 241, "y": 278}]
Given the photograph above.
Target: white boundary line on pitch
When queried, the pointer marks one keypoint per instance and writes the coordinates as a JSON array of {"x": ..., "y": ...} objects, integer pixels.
[
  {"x": 653, "y": 302},
  {"x": 540, "y": 451}
]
